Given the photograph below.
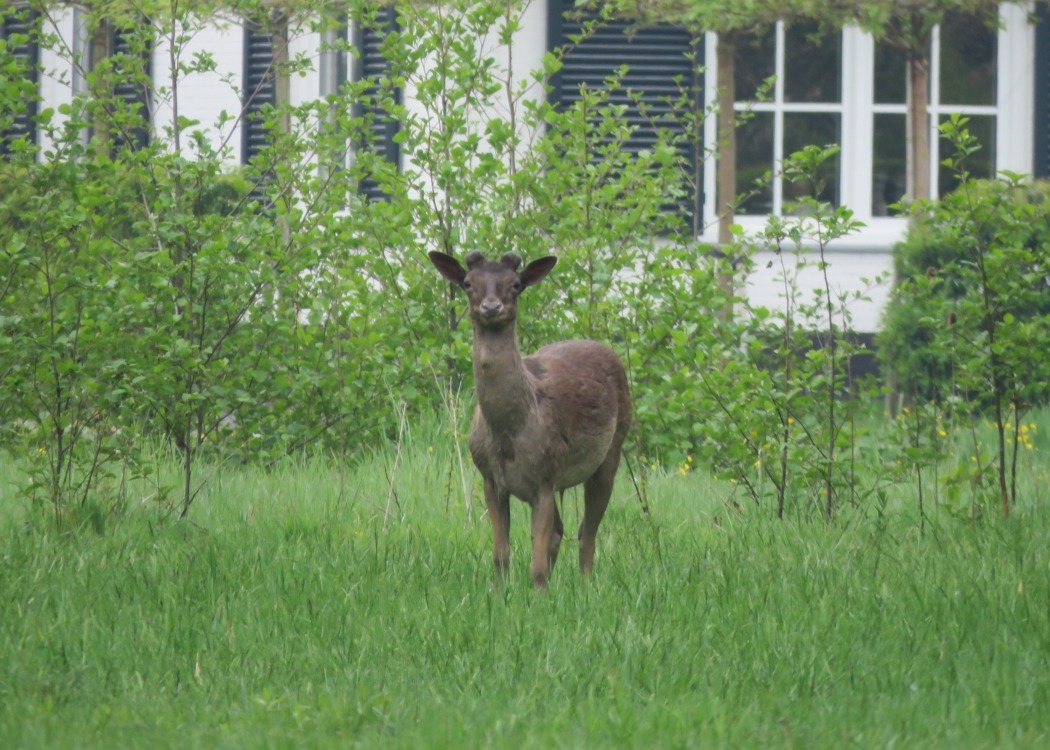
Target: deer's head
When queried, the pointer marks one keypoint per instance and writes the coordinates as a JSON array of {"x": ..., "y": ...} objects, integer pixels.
[{"x": 492, "y": 286}]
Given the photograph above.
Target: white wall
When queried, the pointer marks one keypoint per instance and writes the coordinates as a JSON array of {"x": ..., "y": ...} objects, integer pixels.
[
  {"x": 203, "y": 97},
  {"x": 307, "y": 86},
  {"x": 519, "y": 60},
  {"x": 56, "y": 83},
  {"x": 848, "y": 273},
  {"x": 1015, "y": 80}
]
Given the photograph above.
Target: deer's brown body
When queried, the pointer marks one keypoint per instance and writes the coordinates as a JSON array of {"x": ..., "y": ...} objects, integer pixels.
[{"x": 543, "y": 423}]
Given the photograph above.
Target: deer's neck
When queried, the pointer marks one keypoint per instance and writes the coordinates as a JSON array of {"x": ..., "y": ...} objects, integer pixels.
[{"x": 505, "y": 392}]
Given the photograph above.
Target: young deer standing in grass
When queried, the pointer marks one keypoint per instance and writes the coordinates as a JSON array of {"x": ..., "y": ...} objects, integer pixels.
[{"x": 543, "y": 423}]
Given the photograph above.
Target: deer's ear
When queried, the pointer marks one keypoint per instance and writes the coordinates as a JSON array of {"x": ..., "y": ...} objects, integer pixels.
[
  {"x": 535, "y": 272},
  {"x": 448, "y": 267}
]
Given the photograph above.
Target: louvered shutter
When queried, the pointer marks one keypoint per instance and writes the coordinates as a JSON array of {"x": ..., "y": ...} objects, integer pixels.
[
  {"x": 134, "y": 93},
  {"x": 371, "y": 63},
  {"x": 655, "y": 57},
  {"x": 1041, "y": 168},
  {"x": 259, "y": 90},
  {"x": 28, "y": 53}
]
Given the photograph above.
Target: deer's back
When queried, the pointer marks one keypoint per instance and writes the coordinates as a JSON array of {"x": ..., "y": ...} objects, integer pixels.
[
  {"x": 583, "y": 412},
  {"x": 581, "y": 386}
]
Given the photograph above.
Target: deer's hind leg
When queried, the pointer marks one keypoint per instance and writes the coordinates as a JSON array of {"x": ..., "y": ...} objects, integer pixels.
[{"x": 596, "y": 493}]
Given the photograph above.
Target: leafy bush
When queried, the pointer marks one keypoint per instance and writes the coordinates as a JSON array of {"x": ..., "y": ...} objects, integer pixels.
[
  {"x": 783, "y": 420},
  {"x": 970, "y": 331},
  {"x": 930, "y": 319}
]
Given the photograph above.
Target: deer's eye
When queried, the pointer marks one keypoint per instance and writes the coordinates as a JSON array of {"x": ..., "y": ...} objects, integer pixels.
[
  {"x": 467, "y": 285},
  {"x": 516, "y": 286}
]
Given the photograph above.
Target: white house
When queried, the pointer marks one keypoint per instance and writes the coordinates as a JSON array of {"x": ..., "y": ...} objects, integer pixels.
[{"x": 846, "y": 89}]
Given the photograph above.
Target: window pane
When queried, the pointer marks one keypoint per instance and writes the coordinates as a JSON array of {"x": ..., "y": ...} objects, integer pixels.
[
  {"x": 968, "y": 53},
  {"x": 979, "y": 164},
  {"x": 891, "y": 75},
  {"x": 754, "y": 62},
  {"x": 889, "y": 165},
  {"x": 811, "y": 65},
  {"x": 754, "y": 158},
  {"x": 819, "y": 129}
]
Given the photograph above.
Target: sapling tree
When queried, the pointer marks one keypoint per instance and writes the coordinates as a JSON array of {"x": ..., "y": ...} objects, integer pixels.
[
  {"x": 168, "y": 289},
  {"x": 784, "y": 426},
  {"x": 982, "y": 305},
  {"x": 61, "y": 380}
]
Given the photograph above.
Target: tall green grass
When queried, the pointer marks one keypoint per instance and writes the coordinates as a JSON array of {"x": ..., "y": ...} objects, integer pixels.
[{"x": 294, "y": 611}]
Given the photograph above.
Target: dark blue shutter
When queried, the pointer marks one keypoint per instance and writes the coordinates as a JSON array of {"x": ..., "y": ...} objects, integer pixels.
[
  {"x": 370, "y": 63},
  {"x": 1041, "y": 168},
  {"x": 656, "y": 57},
  {"x": 23, "y": 23},
  {"x": 134, "y": 92},
  {"x": 259, "y": 90}
]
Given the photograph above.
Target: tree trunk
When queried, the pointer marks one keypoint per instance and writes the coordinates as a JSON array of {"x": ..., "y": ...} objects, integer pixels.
[
  {"x": 725, "y": 189},
  {"x": 918, "y": 124},
  {"x": 726, "y": 175},
  {"x": 917, "y": 161}
]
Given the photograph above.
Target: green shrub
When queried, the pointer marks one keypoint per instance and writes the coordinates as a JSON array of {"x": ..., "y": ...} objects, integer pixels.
[
  {"x": 926, "y": 325},
  {"x": 971, "y": 309}
]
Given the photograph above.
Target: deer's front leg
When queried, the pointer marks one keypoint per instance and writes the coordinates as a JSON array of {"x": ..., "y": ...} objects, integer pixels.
[
  {"x": 499, "y": 513},
  {"x": 546, "y": 537}
]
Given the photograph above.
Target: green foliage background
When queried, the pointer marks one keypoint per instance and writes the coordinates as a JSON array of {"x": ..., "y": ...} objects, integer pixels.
[{"x": 152, "y": 293}]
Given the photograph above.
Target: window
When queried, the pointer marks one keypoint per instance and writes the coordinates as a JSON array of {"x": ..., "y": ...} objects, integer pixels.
[
  {"x": 839, "y": 88},
  {"x": 889, "y": 130},
  {"x": 17, "y": 32},
  {"x": 962, "y": 79},
  {"x": 845, "y": 88},
  {"x": 121, "y": 61},
  {"x": 803, "y": 107}
]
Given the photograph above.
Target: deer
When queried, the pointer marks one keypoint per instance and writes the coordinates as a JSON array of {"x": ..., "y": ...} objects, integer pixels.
[{"x": 543, "y": 423}]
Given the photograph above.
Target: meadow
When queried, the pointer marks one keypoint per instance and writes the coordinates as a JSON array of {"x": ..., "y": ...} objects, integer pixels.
[{"x": 310, "y": 606}]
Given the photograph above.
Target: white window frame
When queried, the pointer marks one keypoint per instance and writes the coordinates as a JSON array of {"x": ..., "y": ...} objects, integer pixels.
[{"x": 1014, "y": 111}]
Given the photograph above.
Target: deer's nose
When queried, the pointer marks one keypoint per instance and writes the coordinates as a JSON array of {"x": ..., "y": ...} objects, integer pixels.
[{"x": 490, "y": 307}]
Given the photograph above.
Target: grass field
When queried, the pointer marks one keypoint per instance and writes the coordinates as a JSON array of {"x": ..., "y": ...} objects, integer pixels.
[{"x": 285, "y": 615}]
